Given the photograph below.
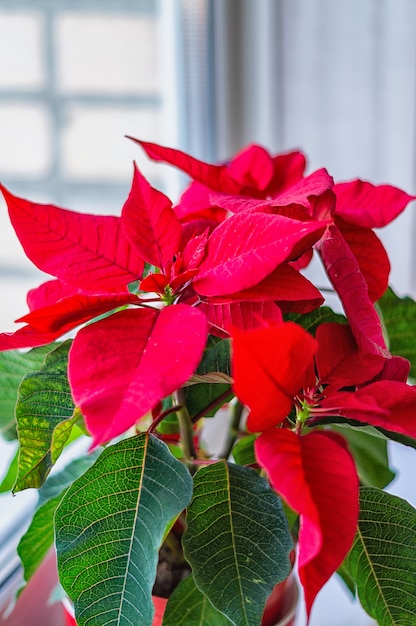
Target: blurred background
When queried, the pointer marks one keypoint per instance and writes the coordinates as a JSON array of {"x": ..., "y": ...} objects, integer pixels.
[{"x": 335, "y": 78}]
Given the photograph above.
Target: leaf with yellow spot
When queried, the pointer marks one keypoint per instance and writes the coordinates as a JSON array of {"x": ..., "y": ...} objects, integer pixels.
[{"x": 44, "y": 402}]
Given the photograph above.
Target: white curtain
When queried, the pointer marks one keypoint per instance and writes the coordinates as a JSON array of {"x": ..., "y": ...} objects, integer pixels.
[{"x": 335, "y": 78}]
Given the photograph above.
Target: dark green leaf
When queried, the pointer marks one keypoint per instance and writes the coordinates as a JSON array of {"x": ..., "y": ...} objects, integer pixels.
[
  {"x": 311, "y": 321},
  {"x": 399, "y": 437},
  {"x": 237, "y": 540},
  {"x": 188, "y": 606},
  {"x": 372, "y": 430},
  {"x": 399, "y": 319},
  {"x": 382, "y": 560},
  {"x": 370, "y": 455},
  {"x": 381, "y": 433},
  {"x": 44, "y": 402},
  {"x": 216, "y": 359},
  {"x": 14, "y": 365},
  {"x": 110, "y": 525}
]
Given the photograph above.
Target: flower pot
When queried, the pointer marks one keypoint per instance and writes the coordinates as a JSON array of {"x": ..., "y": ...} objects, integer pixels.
[
  {"x": 33, "y": 606},
  {"x": 160, "y": 605},
  {"x": 280, "y": 607}
]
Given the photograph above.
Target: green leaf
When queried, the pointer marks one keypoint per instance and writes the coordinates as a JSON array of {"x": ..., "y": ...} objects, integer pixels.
[
  {"x": 398, "y": 316},
  {"x": 9, "y": 478},
  {"x": 292, "y": 519},
  {"x": 44, "y": 402},
  {"x": 38, "y": 539},
  {"x": 370, "y": 455},
  {"x": 399, "y": 437},
  {"x": 169, "y": 425},
  {"x": 243, "y": 451},
  {"x": 110, "y": 525},
  {"x": 372, "y": 430},
  {"x": 312, "y": 320},
  {"x": 188, "y": 606},
  {"x": 216, "y": 357},
  {"x": 348, "y": 581},
  {"x": 237, "y": 540},
  {"x": 14, "y": 365},
  {"x": 213, "y": 370},
  {"x": 382, "y": 560},
  {"x": 59, "y": 481}
]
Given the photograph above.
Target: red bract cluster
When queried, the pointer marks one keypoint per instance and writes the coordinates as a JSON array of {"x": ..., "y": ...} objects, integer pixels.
[
  {"x": 208, "y": 279},
  {"x": 279, "y": 369},
  {"x": 227, "y": 261}
]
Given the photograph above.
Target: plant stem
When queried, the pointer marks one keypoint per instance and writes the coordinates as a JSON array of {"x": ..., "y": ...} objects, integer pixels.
[
  {"x": 220, "y": 400},
  {"x": 161, "y": 417},
  {"x": 186, "y": 427},
  {"x": 236, "y": 410}
]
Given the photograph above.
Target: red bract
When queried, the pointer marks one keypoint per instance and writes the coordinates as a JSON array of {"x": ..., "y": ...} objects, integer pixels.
[
  {"x": 244, "y": 315},
  {"x": 87, "y": 251},
  {"x": 360, "y": 206},
  {"x": 70, "y": 312},
  {"x": 370, "y": 256},
  {"x": 47, "y": 322},
  {"x": 239, "y": 262},
  {"x": 245, "y": 269},
  {"x": 340, "y": 362},
  {"x": 122, "y": 366},
  {"x": 316, "y": 476},
  {"x": 387, "y": 404},
  {"x": 278, "y": 359},
  {"x": 284, "y": 285},
  {"x": 115, "y": 367},
  {"x": 270, "y": 365},
  {"x": 252, "y": 172},
  {"x": 150, "y": 223},
  {"x": 27, "y": 337},
  {"x": 352, "y": 254},
  {"x": 360, "y": 272},
  {"x": 49, "y": 293},
  {"x": 279, "y": 367},
  {"x": 299, "y": 196},
  {"x": 344, "y": 272},
  {"x": 367, "y": 205},
  {"x": 245, "y": 249}
]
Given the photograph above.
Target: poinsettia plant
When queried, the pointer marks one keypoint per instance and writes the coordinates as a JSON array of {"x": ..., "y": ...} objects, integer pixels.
[{"x": 160, "y": 318}]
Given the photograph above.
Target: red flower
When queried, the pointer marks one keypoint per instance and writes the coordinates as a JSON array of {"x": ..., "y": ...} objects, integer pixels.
[
  {"x": 253, "y": 172},
  {"x": 278, "y": 368},
  {"x": 352, "y": 254},
  {"x": 322, "y": 377},
  {"x": 316, "y": 476},
  {"x": 118, "y": 366},
  {"x": 243, "y": 263}
]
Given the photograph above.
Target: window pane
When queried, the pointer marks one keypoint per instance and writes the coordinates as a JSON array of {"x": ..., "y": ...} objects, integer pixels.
[{"x": 102, "y": 53}]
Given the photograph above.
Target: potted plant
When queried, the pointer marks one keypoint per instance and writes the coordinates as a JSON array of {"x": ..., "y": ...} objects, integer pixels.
[{"x": 179, "y": 313}]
